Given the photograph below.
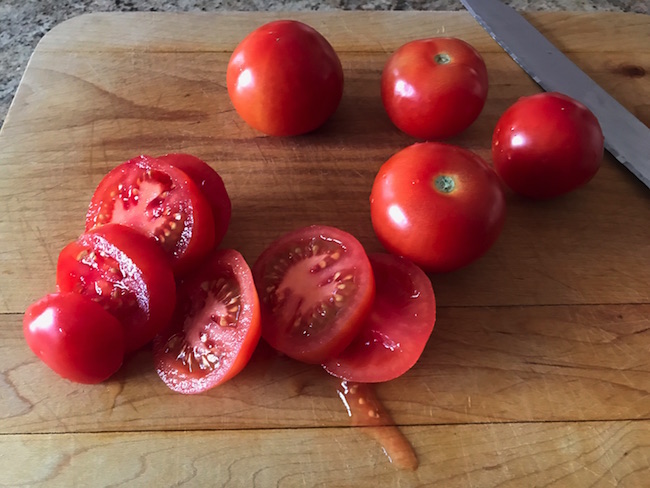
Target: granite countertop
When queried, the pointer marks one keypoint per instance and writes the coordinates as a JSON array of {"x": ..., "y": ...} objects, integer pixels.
[{"x": 24, "y": 22}]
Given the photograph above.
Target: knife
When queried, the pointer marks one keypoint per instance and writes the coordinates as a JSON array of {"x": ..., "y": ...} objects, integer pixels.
[{"x": 626, "y": 137}]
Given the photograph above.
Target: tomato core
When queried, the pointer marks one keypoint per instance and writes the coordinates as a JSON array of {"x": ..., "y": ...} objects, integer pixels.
[
  {"x": 444, "y": 184},
  {"x": 442, "y": 58}
]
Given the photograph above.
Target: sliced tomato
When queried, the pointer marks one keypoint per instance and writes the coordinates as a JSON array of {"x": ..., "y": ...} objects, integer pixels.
[
  {"x": 162, "y": 202},
  {"x": 75, "y": 337},
  {"x": 126, "y": 273},
  {"x": 215, "y": 329},
  {"x": 210, "y": 183},
  {"x": 397, "y": 329},
  {"x": 316, "y": 287}
]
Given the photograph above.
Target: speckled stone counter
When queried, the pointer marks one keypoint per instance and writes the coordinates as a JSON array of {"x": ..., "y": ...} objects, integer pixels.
[{"x": 24, "y": 22}]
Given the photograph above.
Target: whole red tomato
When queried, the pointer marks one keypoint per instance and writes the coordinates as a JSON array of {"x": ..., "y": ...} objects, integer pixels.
[
  {"x": 75, "y": 337},
  {"x": 546, "y": 145},
  {"x": 438, "y": 205},
  {"x": 285, "y": 79},
  {"x": 434, "y": 88}
]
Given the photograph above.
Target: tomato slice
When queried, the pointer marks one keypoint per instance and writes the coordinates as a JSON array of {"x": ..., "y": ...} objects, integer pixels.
[
  {"x": 162, "y": 202},
  {"x": 75, "y": 337},
  {"x": 215, "y": 329},
  {"x": 397, "y": 329},
  {"x": 210, "y": 183},
  {"x": 316, "y": 286},
  {"x": 126, "y": 273}
]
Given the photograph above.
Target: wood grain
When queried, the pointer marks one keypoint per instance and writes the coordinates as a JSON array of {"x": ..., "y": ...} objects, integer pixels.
[
  {"x": 596, "y": 454},
  {"x": 481, "y": 365},
  {"x": 537, "y": 373},
  {"x": 56, "y": 149}
]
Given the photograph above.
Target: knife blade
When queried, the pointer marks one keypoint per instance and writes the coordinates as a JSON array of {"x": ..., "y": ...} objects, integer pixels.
[{"x": 626, "y": 137}]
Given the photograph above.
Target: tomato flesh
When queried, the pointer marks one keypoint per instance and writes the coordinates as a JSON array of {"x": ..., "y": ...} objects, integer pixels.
[
  {"x": 161, "y": 202},
  {"x": 75, "y": 337},
  {"x": 215, "y": 329},
  {"x": 211, "y": 185},
  {"x": 397, "y": 328},
  {"x": 316, "y": 287},
  {"x": 125, "y": 273}
]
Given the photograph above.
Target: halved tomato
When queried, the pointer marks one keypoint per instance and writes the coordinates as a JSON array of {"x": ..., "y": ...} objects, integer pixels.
[
  {"x": 397, "y": 329},
  {"x": 162, "y": 202},
  {"x": 126, "y": 273},
  {"x": 215, "y": 329},
  {"x": 210, "y": 183},
  {"x": 316, "y": 287}
]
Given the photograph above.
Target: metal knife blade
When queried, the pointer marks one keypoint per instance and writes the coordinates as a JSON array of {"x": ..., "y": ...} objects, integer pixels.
[{"x": 626, "y": 137}]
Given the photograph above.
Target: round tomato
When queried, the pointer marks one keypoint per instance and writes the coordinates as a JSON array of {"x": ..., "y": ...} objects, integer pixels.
[
  {"x": 547, "y": 145},
  {"x": 126, "y": 273},
  {"x": 434, "y": 88},
  {"x": 316, "y": 287},
  {"x": 211, "y": 184},
  {"x": 397, "y": 328},
  {"x": 438, "y": 205},
  {"x": 215, "y": 329},
  {"x": 285, "y": 79},
  {"x": 162, "y": 202},
  {"x": 75, "y": 337}
]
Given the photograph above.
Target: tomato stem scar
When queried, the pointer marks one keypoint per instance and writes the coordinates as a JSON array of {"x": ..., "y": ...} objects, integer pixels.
[
  {"x": 442, "y": 58},
  {"x": 445, "y": 184}
]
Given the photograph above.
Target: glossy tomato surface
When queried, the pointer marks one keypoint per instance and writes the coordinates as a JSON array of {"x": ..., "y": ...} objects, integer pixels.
[
  {"x": 211, "y": 185},
  {"x": 285, "y": 79},
  {"x": 316, "y": 287},
  {"x": 215, "y": 329},
  {"x": 397, "y": 328},
  {"x": 126, "y": 273},
  {"x": 434, "y": 88},
  {"x": 160, "y": 201},
  {"x": 438, "y": 205},
  {"x": 547, "y": 145},
  {"x": 75, "y": 337}
]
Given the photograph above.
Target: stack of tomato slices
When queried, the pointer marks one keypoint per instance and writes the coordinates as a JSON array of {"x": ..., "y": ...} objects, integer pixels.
[
  {"x": 151, "y": 224},
  {"x": 365, "y": 318}
]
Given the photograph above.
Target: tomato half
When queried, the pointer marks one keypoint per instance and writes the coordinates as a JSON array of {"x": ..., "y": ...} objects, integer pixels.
[
  {"x": 398, "y": 326},
  {"x": 434, "y": 88},
  {"x": 216, "y": 327},
  {"x": 162, "y": 202},
  {"x": 285, "y": 79},
  {"x": 316, "y": 287},
  {"x": 547, "y": 145},
  {"x": 438, "y": 205},
  {"x": 211, "y": 184},
  {"x": 126, "y": 273},
  {"x": 75, "y": 337}
]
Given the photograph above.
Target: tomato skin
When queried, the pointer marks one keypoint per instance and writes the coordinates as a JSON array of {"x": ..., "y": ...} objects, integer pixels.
[
  {"x": 546, "y": 145},
  {"x": 285, "y": 79},
  {"x": 301, "y": 314},
  {"x": 202, "y": 319},
  {"x": 397, "y": 328},
  {"x": 434, "y": 88},
  {"x": 160, "y": 201},
  {"x": 440, "y": 228},
  {"x": 211, "y": 185},
  {"x": 140, "y": 274},
  {"x": 75, "y": 337}
]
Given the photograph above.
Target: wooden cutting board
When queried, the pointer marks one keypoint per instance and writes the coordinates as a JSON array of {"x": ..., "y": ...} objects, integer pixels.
[{"x": 537, "y": 372}]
